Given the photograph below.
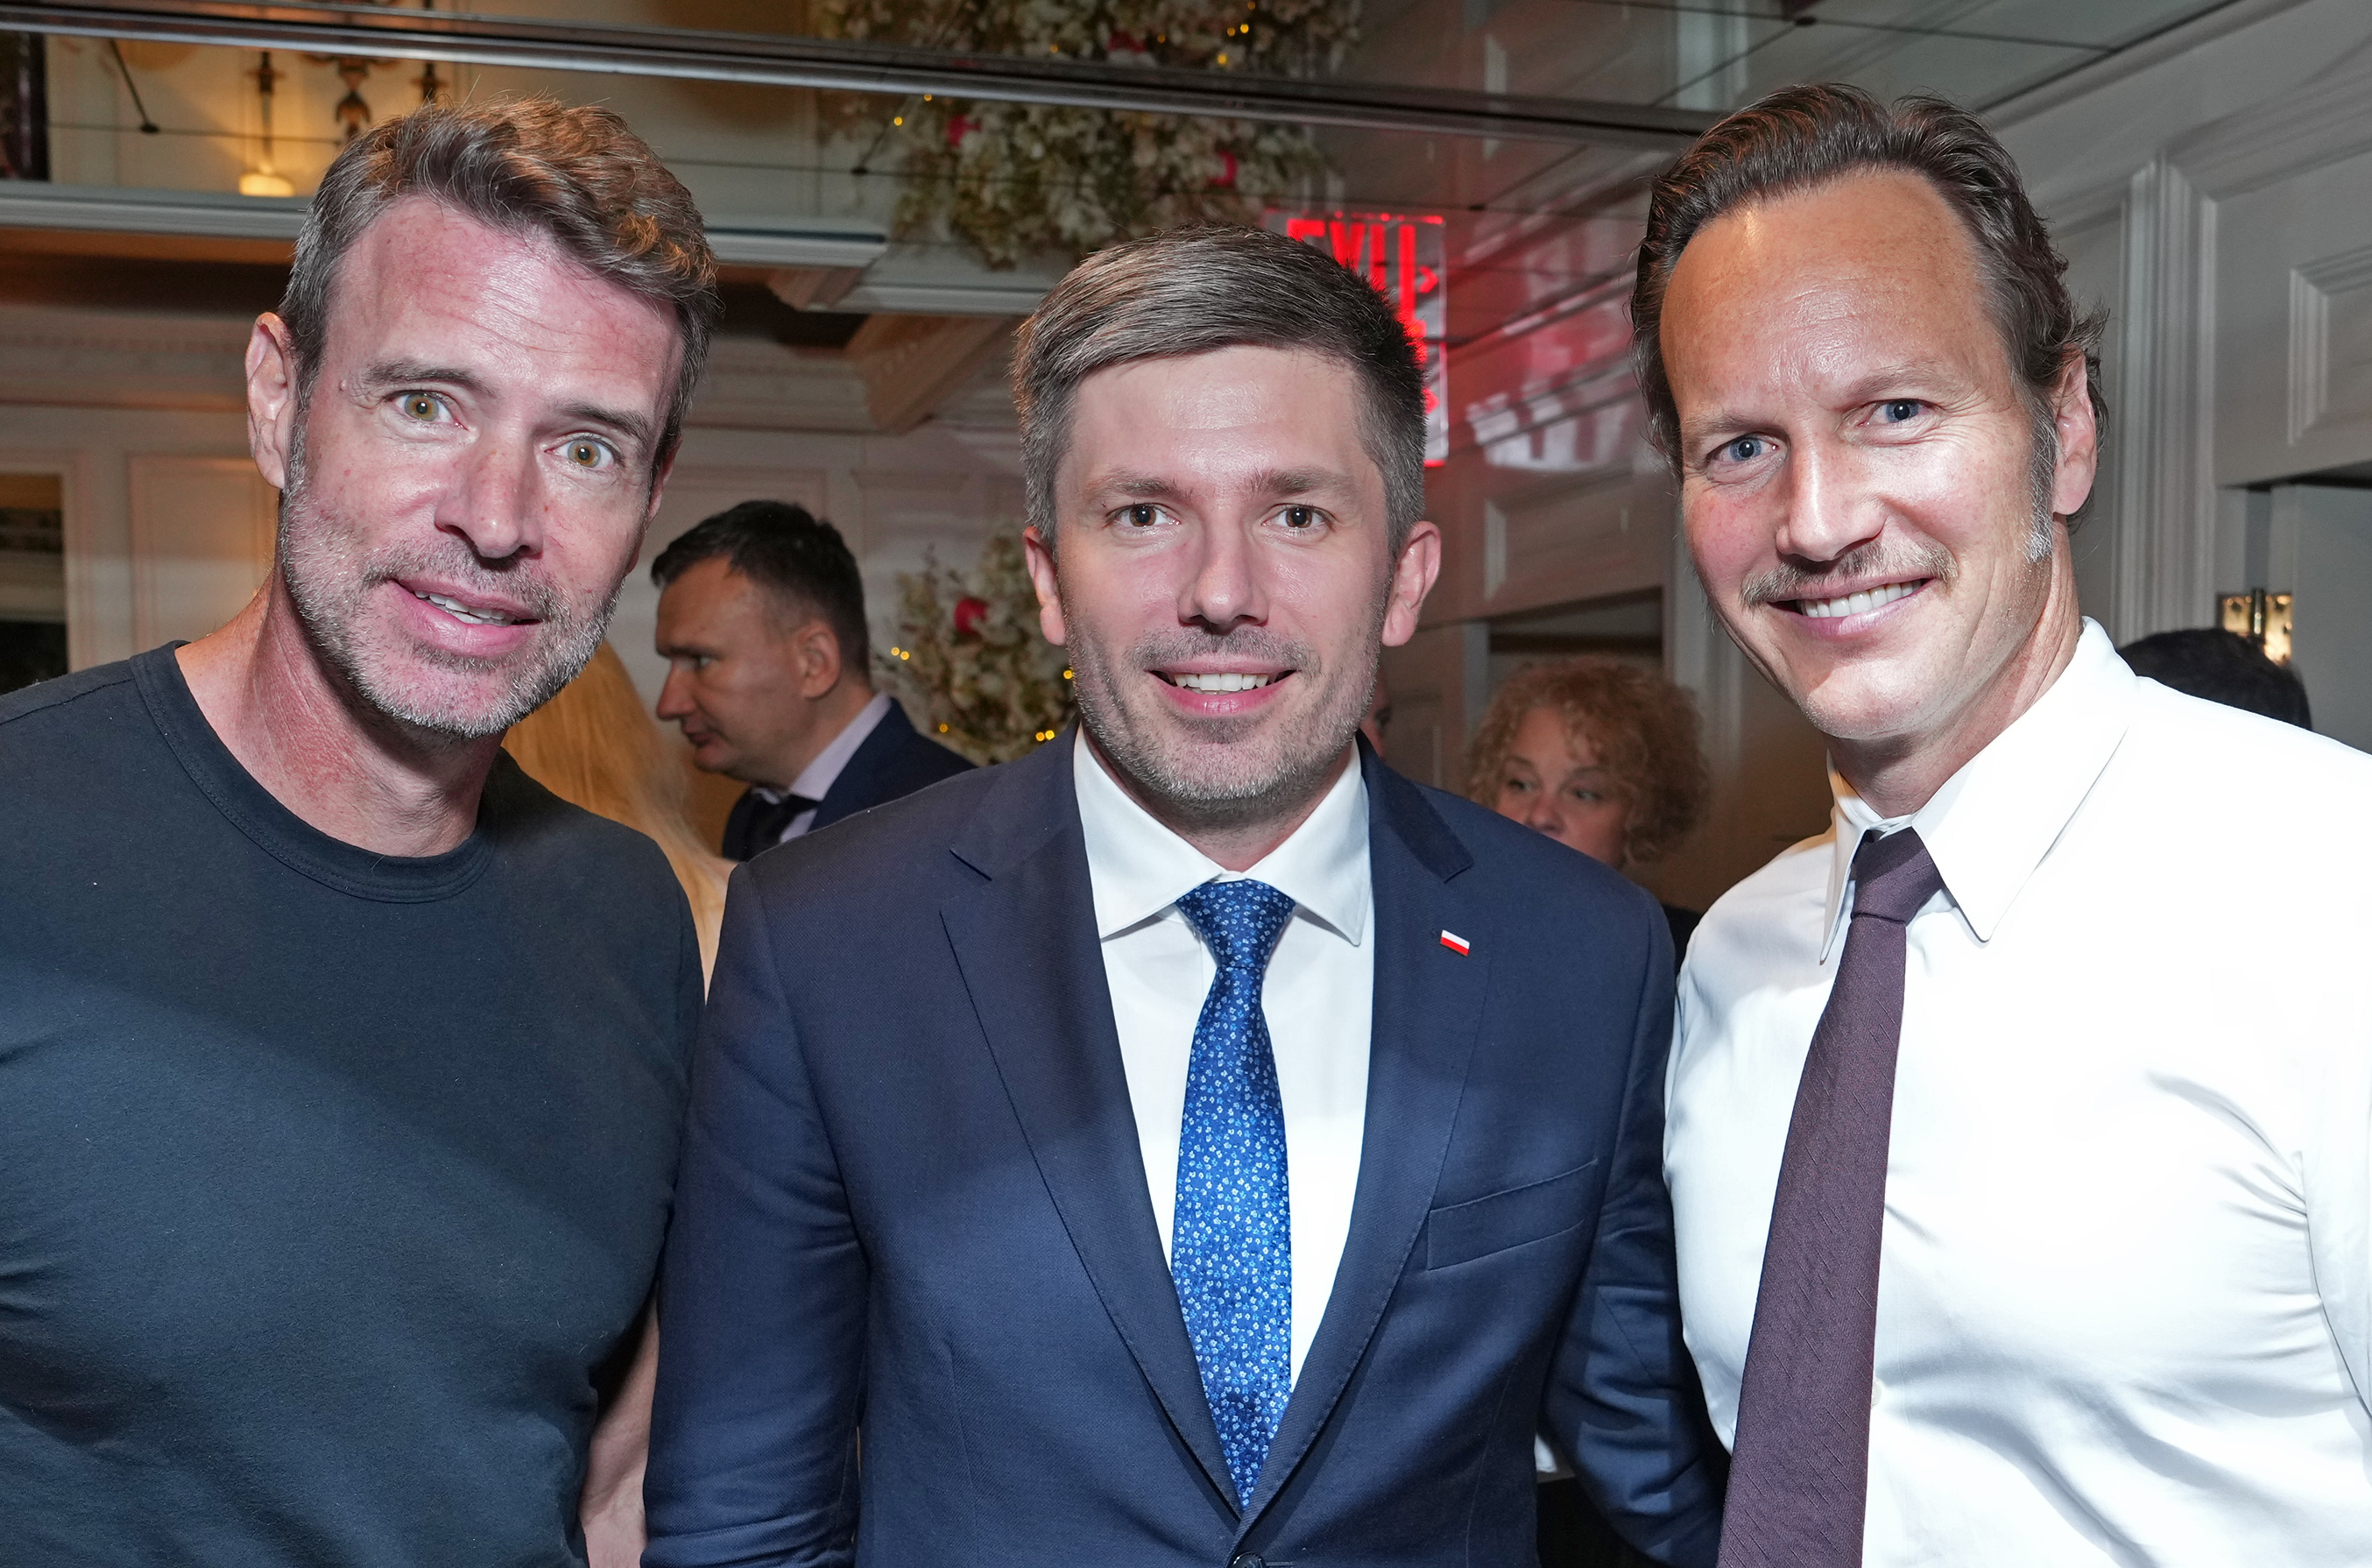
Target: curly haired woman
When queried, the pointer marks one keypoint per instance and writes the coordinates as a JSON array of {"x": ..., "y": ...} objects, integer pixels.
[{"x": 1599, "y": 755}]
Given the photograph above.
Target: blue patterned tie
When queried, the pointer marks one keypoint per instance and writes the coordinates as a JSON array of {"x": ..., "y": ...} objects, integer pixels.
[{"x": 1231, "y": 1238}]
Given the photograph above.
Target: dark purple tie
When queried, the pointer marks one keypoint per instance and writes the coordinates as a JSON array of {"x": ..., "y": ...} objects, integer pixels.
[{"x": 1799, "y": 1475}]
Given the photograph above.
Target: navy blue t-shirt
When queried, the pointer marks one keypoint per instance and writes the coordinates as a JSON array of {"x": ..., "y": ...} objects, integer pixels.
[{"x": 331, "y": 1183}]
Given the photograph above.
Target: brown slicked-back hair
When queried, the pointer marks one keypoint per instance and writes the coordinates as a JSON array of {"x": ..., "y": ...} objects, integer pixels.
[
  {"x": 529, "y": 167},
  {"x": 1643, "y": 728},
  {"x": 1798, "y": 138}
]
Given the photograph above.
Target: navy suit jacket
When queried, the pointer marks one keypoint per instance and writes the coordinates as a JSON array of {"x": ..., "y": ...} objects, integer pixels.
[
  {"x": 912, "y": 1201},
  {"x": 895, "y": 759}
]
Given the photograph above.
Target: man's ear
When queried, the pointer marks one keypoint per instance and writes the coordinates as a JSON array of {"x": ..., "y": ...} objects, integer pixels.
[
  {"x": 271, "y": 401},
  {"x": 815, "y": 653},
  {"x": 1412, "y": 578},
  {"x": 1040, "y": 558},
  {"x": 2077, "y": 428}
]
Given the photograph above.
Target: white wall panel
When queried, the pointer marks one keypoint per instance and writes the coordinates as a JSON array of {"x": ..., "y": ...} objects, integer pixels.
[{"x": 201, "y": 533}]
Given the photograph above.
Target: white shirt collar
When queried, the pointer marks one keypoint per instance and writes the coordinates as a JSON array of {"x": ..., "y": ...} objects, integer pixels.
[
  {"x": 1138, "y": 867},
  {"x": 816, "y": 780},
  {"x": 1995, "y": 820}
]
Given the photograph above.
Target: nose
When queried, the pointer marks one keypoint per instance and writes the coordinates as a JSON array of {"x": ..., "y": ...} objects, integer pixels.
[
  {"x": 497, "y": 503},
  {"x": 675, "y": 696},
  {"x": 1225, "y": 589},
  {"x": 1544, "y": 817},
  {"x": 1830, "y": 509}
]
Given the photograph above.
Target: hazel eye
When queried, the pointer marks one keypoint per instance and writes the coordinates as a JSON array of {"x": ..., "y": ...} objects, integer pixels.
[
  {"x": 587, "y": 454},
  {"x": 420, "y": 406}
]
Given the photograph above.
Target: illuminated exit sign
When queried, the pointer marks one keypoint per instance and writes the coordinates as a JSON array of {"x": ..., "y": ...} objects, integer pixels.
[{"x": 1403, "y": 255}]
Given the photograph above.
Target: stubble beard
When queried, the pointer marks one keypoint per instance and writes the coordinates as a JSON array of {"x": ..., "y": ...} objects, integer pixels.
[
  {"x": 1223, "y": 773},
  {"x": 328, "y": 591}
]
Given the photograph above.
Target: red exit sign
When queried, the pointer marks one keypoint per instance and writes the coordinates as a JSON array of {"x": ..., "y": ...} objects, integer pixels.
[{"x": 1405, "y": 257}]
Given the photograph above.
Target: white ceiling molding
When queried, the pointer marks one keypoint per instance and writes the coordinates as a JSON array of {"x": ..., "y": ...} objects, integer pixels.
[
  {"x": 110, "y": 209},
  {"x": 216, "y": 215}
]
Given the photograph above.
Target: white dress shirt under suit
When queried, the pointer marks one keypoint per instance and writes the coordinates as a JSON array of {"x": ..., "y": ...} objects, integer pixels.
[
  {"x": 2125, "y": 1294},
  {"x": 1319, "y": 996}
]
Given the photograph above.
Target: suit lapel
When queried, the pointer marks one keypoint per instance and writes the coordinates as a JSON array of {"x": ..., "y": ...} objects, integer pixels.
[
  {"x": 1026, "y": 942},
  {"x": 1428, "y": 1006}
]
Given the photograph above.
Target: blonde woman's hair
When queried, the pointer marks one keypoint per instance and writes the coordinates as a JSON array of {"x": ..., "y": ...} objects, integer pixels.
[
  {"x": 1643, "y": 728},
  {"x": 594, "y": 745}
]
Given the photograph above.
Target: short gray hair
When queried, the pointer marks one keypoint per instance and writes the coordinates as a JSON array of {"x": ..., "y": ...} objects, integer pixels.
[
  {"x": 529, "y": 167},
  {"x": 1195, "y": 290}
]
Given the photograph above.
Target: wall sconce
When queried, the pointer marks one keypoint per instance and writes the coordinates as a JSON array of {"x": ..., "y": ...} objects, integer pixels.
[
  {"x": 2263, "y": 617},
  {"x": 264, "y": 180}
]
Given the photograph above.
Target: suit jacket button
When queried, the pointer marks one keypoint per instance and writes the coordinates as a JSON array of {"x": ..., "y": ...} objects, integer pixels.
[{"x": 1248, "y": 1560}]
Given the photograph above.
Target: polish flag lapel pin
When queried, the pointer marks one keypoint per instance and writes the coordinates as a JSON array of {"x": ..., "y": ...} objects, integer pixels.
[{"x": 1456, "y": 943}]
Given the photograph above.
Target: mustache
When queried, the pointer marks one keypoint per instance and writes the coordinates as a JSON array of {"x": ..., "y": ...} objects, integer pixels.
[
  {"x": 1256, "y": 642},
  {"x": 1875, "y": 559},
  {"x": 466, "y": 569}
]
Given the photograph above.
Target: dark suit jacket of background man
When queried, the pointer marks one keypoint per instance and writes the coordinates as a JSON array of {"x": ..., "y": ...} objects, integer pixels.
[
  {"x": 912, "y": 1195},
  {"x": 895, "y": 759}
]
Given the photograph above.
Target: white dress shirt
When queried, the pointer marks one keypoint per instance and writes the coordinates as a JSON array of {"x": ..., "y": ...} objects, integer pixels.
[
  {"x": 815, "y": 781},
  {"x": 2125, "y": 1293},
  {"x": 1319, "y": 997}
]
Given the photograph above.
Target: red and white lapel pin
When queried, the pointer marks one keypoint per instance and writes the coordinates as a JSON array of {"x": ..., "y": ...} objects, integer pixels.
[{"x": 1456, "y": 943}]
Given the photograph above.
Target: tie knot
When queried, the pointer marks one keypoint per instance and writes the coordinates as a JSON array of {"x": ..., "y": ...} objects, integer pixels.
[
  {"x": 1239, "y": 922},
  {"x": 1894, "y": 878}
]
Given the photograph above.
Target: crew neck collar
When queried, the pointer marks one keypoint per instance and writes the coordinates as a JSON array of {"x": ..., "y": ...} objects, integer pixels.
[{"x": 280, "y": 832}]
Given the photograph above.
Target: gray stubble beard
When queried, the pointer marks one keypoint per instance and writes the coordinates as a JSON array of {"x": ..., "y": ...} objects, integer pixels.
[{"x": 327, "y": 608}]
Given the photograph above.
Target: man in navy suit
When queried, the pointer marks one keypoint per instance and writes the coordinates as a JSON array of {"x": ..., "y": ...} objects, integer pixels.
[
  {"x": 1193, "y": 1144},
  {"x": 762, "y": 622}
]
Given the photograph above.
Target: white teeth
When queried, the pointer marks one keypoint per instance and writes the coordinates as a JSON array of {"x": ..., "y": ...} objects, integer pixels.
[
  {"x": 1854, "y": 604},
  {"x": 1224, "y": 683},
  {"x": 461, "y": 611}
]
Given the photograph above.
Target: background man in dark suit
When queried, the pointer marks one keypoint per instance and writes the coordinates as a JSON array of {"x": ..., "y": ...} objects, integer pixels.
[
  {"x": 1193, "y": 1144},
  {"x": 762, "y": 622}
]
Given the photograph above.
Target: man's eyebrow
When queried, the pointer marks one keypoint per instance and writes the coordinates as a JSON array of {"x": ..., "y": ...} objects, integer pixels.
[
  {"x": 1865, "y": 387},
  {"x": 637, "y": 428},
  {"x": 397, "y": 372},
  {"x": 1299, "y": 481}
]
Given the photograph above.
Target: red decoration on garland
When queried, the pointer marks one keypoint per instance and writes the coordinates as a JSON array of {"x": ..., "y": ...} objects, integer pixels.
[{"x": 970, "y": 613}]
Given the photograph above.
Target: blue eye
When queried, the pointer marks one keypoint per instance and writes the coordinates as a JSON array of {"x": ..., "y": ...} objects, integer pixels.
[
  {"x": 1898, "y": 411},
  {"x": 1744, "y": 449}
]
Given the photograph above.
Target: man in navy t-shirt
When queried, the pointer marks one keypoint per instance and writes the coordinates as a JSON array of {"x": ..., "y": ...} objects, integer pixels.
[{"x": 341, "y": 1065}]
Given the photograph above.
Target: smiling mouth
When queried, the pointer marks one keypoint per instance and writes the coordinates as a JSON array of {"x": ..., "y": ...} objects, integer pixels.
[
  {"x": 1220, "y": 682},
  {"x": 1860, "y": 603},
  {"x": 461, "y": 611}
]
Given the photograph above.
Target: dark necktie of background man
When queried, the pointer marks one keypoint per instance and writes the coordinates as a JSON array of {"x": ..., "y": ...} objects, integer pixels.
[
  {"x": 763, "y": 828},
  {"x": 1231, "y": 1233},
  {"x": 1800, "y": 1480}
]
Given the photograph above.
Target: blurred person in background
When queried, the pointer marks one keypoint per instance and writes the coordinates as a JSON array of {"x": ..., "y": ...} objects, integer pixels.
[
  {"x": 596, "y": 745},
  {"x": 762, "y": 622},
  {"x": 342, "y": 1065},
  {"x": 2223, "y": 667},
  {"x": 1602, "y": 756}
]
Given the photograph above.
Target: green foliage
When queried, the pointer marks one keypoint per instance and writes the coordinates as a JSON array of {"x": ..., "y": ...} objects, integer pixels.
[
  {"x": 1017, "y": 178},
  {"x": 969, "y": 654}
]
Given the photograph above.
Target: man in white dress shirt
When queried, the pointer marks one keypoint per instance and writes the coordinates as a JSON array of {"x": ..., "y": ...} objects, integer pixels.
[
  {"x": 2105, "y": 1294},
  {"x": 1191, "y": 1144}
]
